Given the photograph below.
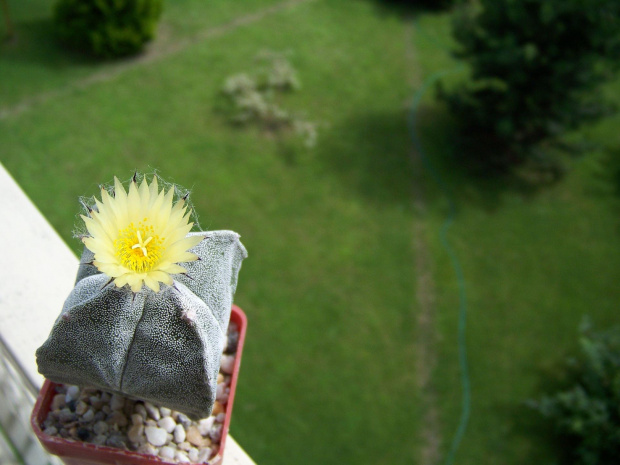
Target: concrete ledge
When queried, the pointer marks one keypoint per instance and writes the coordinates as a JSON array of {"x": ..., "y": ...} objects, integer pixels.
[{"x": 37, "y": 273}]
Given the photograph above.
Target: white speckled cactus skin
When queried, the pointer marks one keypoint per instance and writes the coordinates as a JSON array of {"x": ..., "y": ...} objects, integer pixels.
[{"x": 162, "y": 347}]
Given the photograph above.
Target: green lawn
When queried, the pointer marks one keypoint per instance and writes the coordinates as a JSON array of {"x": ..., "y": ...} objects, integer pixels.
[{"x": 329, "y": 287}]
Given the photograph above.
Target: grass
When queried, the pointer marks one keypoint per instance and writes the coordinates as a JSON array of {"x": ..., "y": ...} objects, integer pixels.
[{"x": 329, "y": 287}]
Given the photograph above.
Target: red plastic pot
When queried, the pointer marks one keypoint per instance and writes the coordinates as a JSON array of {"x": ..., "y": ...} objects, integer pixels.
[{"x": 74, "y": 452}]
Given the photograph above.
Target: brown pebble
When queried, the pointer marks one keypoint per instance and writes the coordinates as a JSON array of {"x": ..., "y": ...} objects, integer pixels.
[
  {"x": 117, "y": 418},
  {"x": 217, "y": 408},
  {"x": 59, "y": 402},
  {"x": 135, "y": 433},
  {"x": 81, "y": 408},
  {"x": 96, "y": 402},
  {"x": 194, "y": 437}
]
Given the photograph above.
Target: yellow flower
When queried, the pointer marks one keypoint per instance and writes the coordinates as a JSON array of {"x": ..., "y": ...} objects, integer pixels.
[{"x": 140, "y": 237}]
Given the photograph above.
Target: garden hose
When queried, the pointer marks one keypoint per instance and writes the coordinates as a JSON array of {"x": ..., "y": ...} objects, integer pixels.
[{"x": 456, "y": 265}]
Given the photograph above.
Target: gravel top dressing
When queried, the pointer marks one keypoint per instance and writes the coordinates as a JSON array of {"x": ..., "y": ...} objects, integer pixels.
[{"x": 97, "y": 417}]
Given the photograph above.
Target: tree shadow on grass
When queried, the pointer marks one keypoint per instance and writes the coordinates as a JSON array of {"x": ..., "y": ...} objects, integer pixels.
[
  {"x": 37, "y": 42},
  {"x": 526, "y": 422},
  {"x": 535, "y": 434},
  {"x": 410, "y": 8},
  {"x": 452, "y": 171},
  {"x": 370, "y": 155},
  {"x": 376, "y": 155},
  {"x": 612, "y": 172}
]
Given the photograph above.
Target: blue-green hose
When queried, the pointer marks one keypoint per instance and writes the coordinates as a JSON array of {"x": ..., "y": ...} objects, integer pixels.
[{"x": 456, "y": 265}]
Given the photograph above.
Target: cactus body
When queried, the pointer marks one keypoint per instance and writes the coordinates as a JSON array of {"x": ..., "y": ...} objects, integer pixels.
[{"x": 163, "y": 347}]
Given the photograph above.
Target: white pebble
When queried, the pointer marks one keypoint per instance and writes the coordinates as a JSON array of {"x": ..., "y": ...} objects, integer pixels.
[
  {"x": 220, "y": 417},
  {"x": 73, "y": 392},
  {"x": 89, "y": 415},
  {"x": 186, "y": 446},
  {"x": 156, "y": 436},
  {"x": 193, "y": 455},
  {"x": 221, "y": 393},
  {"x": 205, "y": 425},
  {"x": 216, "y": 432},
  {"x": 117, "y": 402},
  {"x": 66, "y": 416},
  {"x": 152, "y": 411},
  {"x": 147, "y": 449},
  {"x": 179, "y": 434},
  {"x": 204, "y": 454},
  {"x": 227, "y": 363},
  {"x": 101, "y": 427},
  {"x": 166, "y": 452},
  {"x": 168, "y": 424},
  {"x": 139, "y": 408},
  {"x": 136, "y": 419},
  {"x": 181, "y": 457},
  {"x": 51, "y": 430},
  {"x": 165, "y": 412},
  {"x": 186, "y": 422},
  {"x": 100, "y": 439}
]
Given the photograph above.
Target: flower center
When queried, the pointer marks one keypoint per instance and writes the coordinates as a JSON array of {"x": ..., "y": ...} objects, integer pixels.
[{"x": 138, "y": 249}]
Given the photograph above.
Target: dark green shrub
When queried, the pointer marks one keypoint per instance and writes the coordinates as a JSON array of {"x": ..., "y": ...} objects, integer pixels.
[
  {"x": 534, "y": 65},
  {"x": 587, "y": 414},
  {"x": 107, "y": 28}
]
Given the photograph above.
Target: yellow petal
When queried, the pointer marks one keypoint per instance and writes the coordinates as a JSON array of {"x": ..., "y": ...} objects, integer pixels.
[
  {"x": 133, "y": 202},
  {"x": 121, "y": 280},
  {"x": 154, "y": 188},
  {"x": 135, "y": 281},
  {"x": 145, "y": 195},
  {"x": 161, "y": 276},
  {"x": 171, "y": 268},
  {"x": 119, "y": 191},
  {"x": 173, "y": 252},
  {"x": 151, "y": 283}
]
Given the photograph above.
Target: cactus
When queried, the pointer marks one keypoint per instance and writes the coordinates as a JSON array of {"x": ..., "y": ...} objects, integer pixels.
[{"x": 163, "y": 346}]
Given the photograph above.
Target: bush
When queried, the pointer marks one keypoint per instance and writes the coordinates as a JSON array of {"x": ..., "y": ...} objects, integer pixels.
[
  {"x": 107, "y": 28},
  {"x": 534, "y": 64},
  {"x": 587, "y": 414},
  {"x": 252, "y": 98}
]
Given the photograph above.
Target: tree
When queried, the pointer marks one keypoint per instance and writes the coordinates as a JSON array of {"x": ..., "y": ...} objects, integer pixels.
[{"x": 534, "y": 65}]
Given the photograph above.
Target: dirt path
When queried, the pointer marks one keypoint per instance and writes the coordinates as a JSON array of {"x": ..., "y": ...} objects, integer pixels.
[
  {"x": 160, "y": 49},
  {"x": 425, "y": 336}
]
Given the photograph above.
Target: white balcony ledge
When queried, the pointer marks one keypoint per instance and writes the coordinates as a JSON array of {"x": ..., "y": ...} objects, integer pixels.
[{"x": 37, "y": 274}]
